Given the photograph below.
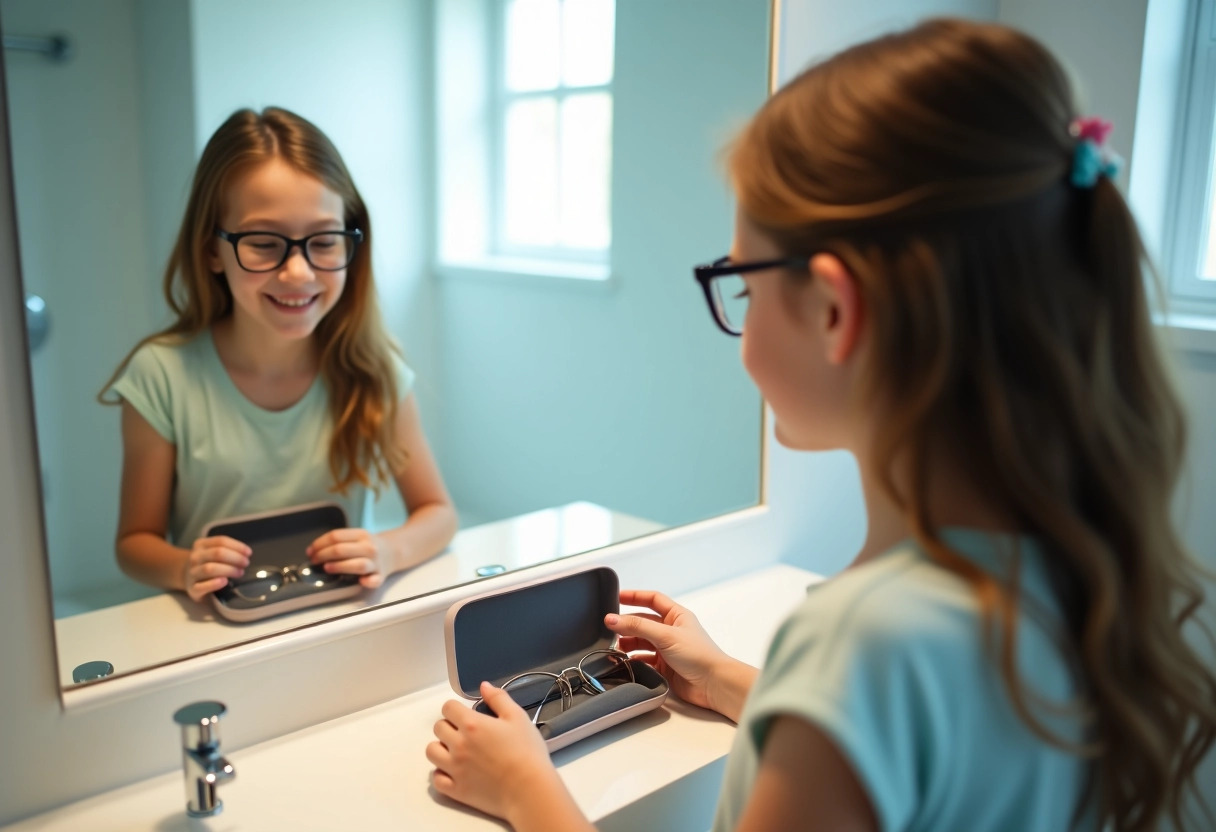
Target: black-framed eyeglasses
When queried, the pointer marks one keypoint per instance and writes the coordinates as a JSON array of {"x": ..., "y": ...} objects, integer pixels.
[
  {"x": 537, "y": 688},
  {"x": 726, "y": 292},
  {"x": 265, "y": 251}
]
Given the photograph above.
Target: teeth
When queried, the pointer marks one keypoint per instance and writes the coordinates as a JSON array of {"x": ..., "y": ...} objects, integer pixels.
[{"x": 293, "y": 301}]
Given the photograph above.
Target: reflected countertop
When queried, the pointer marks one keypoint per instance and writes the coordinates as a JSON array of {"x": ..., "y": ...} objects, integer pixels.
[
  {"x": 169, "y": 626},
  {"x": 367, "y": 770}
]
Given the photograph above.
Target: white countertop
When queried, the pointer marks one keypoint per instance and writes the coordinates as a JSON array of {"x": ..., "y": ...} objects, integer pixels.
[
  {"x": 169, "y": 626},
  {"x": 367, "y": 770}
]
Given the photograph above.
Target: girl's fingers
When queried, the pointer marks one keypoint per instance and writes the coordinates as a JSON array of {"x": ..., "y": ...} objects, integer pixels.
[
  {"x": 338, "y": 536},
  {"x": 354, "y": 566},
  {"x": 442, "y": 782},
  {"x": 200, "y": 590},
  {"x": 343, "y": 551},
  {"x": 437, "y": 754},
  {"x": 372, "y": 581},
  {"x": 500, "y": 702},
  {"x": 651, "y": 659},
  {"x": 225, "y": 542},
  {"x": 630, "y": 643},
  {"x": 456, "y": 713},
  {"x": 215, "y": 569},
  {"x": 639, "y": 625},
  {"x": 445, "y": 732},
  {"x": 656, "y": 601},
  {"x": 224, "y": 555}
]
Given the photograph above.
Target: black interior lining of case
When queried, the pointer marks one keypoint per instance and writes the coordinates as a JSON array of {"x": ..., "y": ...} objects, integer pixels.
[
  {"x": 596, "y": 707},
  {"x": 548, "y": 626},
  {"x": 282, "y": 541}
]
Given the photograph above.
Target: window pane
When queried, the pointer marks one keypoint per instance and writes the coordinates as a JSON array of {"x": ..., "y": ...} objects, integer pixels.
[
  {"x": 1207, "y": 269},
  {"x": 586, "y": 171},
  {"x": 587, "y": 36},
  {"x": 533, "y": 28},
  {"x": 530, "y": 200}
]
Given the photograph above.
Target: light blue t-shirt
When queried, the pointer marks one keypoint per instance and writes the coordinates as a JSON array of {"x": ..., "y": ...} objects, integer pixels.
[
  {"x": 888, "y": 660},
  {"x": 233, "y": 457}
]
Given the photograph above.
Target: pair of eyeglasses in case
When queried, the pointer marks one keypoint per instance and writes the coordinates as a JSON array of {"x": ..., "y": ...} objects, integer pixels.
[{"x": 562, "y": 685}]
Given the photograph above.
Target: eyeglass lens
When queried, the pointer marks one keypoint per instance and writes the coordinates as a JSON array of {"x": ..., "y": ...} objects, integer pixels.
[
  {"x": 730, "y": 300},
  {"x": 263, "y": 252},
  {"x": 602, "y": 669}
]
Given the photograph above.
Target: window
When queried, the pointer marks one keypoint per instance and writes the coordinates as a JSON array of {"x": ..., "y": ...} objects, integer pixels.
[
  {"x": 552, "y": 149},
  {"x": 1193, "y": 257}
]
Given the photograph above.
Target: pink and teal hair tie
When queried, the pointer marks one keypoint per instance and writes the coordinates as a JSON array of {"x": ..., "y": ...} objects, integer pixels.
[{"x": 1092, "y": 157}]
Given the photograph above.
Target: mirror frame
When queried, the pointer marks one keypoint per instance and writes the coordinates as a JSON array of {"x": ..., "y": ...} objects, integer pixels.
[
  {"x": 75, "y": 644},
  {"x": 277, "y": 684}
]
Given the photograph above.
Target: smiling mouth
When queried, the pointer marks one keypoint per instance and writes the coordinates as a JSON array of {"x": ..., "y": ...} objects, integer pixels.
[{"x": 293, "y": 303}]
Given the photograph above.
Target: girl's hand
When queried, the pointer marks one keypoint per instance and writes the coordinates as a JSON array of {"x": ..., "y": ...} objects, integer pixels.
[
  {"x": 493, "y": 764},
  {"x": 353, "y": 552},
  {"x": 211, "y": 562},
  {"x": 693, "y": 665}
]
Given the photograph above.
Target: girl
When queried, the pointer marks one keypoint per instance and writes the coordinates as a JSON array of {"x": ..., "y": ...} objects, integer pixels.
[
  {"x": 276, "y": 385},
  {"x": 942, "y": 278}
]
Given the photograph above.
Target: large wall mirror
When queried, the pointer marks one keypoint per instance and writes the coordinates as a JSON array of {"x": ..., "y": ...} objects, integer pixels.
[{"x": 573, "y": 400}]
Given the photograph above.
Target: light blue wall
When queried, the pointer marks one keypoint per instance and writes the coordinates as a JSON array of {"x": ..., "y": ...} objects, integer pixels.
[{"x": 625, "y": 395}]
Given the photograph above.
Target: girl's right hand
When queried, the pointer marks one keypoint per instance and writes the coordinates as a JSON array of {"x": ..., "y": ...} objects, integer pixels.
[
  {"x": 685, "y": 655},
  {"x": 210, "y": 564}
]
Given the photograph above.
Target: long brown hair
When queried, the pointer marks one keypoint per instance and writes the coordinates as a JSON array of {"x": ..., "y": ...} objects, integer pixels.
[
  {"x": 356, "y": 353},
  {"x": 1009, "y": 322}
]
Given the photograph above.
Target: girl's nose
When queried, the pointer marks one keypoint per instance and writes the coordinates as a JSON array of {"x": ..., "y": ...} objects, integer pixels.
[{"x": 296, "y": 269}]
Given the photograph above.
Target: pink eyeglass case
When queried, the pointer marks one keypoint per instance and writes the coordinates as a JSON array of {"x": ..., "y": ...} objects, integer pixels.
[
  {"x": 548, "y": 625},
  {"x": 279, "y": 539}
]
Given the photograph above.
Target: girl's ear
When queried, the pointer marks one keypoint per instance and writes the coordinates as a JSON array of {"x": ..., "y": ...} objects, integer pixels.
[
  {"x": 211, "y": 247},
  {"x": 842, "y": 311}
]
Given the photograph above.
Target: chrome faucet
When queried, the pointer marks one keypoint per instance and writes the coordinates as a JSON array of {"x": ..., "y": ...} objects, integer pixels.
[{"x": 204, "y": 768}]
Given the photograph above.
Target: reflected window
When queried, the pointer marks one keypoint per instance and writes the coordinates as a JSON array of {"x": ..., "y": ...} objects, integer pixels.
[{"x": 553, "y": 154}]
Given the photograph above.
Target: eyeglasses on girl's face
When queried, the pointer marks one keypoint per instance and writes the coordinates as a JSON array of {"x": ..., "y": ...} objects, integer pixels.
[
  {"x": 726, "y": 292},
  {"x": 266, "y": 251}
]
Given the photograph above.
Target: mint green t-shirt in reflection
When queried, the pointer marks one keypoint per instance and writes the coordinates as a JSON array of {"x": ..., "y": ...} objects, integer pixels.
[
  {"x": 888, "y": 660},
  {"x": 233, "y": 457}
]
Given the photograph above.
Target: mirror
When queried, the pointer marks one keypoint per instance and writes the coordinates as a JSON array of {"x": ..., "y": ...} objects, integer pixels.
[{"x": 571, "y": 403}]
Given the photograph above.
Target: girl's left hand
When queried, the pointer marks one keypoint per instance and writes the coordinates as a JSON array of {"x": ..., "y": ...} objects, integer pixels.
[
  {"x": 353, "y": 552},
  {"x": 491, "y": 764}
]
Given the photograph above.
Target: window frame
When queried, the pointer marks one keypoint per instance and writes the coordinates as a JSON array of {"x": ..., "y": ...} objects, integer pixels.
[
  {"x": 1193, "y": 204},
  {"x": 501, "y": 100}
]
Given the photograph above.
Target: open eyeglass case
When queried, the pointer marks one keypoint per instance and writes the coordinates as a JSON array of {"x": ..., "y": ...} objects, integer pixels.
[
  {"x": 548, "y": 628},
  {"x": 279, "y": 577}
]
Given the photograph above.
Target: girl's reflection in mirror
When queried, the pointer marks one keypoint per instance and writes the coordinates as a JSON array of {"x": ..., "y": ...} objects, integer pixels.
[{"x": 276, "y": 384}]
